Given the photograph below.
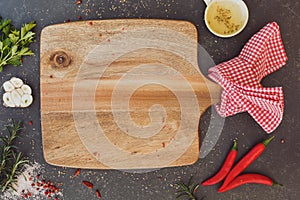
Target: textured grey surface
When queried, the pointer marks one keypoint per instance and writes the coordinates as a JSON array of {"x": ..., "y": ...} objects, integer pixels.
[{"x": 279, "y": 161}]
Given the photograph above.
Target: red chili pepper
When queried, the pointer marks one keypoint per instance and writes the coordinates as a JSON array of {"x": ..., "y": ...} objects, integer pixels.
[
  {"x": 252, "y": 155},
  {"x": 249, "y": 178},
  {"x": 88, "y": 184},
  {"x": 98, "y": 194},
  {"x": 225, "y": 168}
]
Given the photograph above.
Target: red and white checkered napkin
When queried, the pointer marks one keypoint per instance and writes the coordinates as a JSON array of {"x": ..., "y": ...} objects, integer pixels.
[{"x": 240, "y": 78}]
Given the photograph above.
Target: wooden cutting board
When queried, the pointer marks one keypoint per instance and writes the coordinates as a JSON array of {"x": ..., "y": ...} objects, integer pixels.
[{"x": 122, "y": 94}]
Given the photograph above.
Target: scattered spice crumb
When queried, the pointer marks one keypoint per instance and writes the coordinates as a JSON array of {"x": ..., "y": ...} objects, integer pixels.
[
  {"x": 77, "y": 172},
  {"x": 98, "y": 194},
  {"x": 51, "y": 76},
  {"x": 30, "y": 123},
  {"x": 91, "y": 23},
  {"x": 79, "y": 17},
  {"x": 163, "y": 144},
  {"x": 108, "y": 40},
  {"x": 282, "y": 141},
  {"x": 88, "y": 184},
  {"x": 78, "y": 2}
]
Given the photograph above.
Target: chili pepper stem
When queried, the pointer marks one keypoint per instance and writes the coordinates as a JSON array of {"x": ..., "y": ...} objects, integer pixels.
[
  {"x": 267, "y": 141},
  {"x": 277, "y": 184},
  {"x": 234, "y": 145}
]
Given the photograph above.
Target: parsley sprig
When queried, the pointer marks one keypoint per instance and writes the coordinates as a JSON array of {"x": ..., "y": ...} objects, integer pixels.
[{"x": 14, "y": 43}]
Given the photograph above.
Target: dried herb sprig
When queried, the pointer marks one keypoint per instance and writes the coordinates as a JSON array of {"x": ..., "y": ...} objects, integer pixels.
[
  {"x": 187, "y": 190},
  {"x": 10, "y": 161}
]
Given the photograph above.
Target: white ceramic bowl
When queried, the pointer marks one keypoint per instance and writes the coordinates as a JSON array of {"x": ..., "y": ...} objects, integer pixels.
[{"x": 226, "y": 18}]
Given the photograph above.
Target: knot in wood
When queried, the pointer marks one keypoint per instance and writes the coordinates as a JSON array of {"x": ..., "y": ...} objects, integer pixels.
[{"x": 60, "y": 59}]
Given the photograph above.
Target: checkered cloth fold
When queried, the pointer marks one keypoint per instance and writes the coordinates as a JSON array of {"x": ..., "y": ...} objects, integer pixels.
[{"x": 240, "y": 79}]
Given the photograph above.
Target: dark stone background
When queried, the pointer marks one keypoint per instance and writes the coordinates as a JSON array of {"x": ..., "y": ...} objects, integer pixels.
[{"x": 279, "y": 161}]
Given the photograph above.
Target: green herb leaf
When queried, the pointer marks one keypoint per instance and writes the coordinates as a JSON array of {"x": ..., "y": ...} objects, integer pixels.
[
  {"x": 26, "y": 28},
  {"x": 15, "y": 61},
  {"x": 14, "y": 43},
  {"x": 13, "y": 38}
]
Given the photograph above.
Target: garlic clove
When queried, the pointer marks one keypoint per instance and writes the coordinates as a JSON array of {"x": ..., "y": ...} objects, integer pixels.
[
  {"x": 20, "y": 91},
  {"x": 7, "y": 100},
  {"x": 26, "y": 100},
  {"x": 16, "y": 98},
  {"x": 26, "y": 89},
  {"x": 7, "y": 86},
  {"x": 16, "y": 82}
]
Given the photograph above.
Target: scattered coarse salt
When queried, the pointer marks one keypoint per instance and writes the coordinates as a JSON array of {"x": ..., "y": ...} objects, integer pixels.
[{"x": 30, "y": 186}]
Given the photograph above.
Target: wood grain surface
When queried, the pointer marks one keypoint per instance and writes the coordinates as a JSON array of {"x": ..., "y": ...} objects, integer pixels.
[{"x": 122, "y": 94}]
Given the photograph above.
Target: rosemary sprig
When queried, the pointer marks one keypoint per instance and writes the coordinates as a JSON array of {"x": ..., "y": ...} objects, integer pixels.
[
  {"x": 187, "y": 190},
  {"x": 10, "y": 161}
]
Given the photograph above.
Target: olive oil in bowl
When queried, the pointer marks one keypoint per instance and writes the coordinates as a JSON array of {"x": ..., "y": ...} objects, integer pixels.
[{"x": 226, "y": 18}]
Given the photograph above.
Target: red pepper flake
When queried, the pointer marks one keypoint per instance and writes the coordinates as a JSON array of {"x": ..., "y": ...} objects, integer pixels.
[
  {"x": 79, "y": 17},
  {"x": 78, "y": 2},
  {"x": 163, "y": 144},
  {"x": 282, "y": 141},
  {"x": 88, "y": 184},
  {"x": 77, "y": 172},
  {"x": 30, "y": 123},
  {"x": 100, "y": 34},
  {"x": 91, "y": 23},
  {"x": 122, "y": 28},
  {"x": 98, "y": 194},
  {"x": 51, "y": 76}
]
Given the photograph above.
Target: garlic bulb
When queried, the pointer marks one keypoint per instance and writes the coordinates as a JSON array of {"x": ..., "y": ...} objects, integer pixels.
[{"x": 17, "y": 94}]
